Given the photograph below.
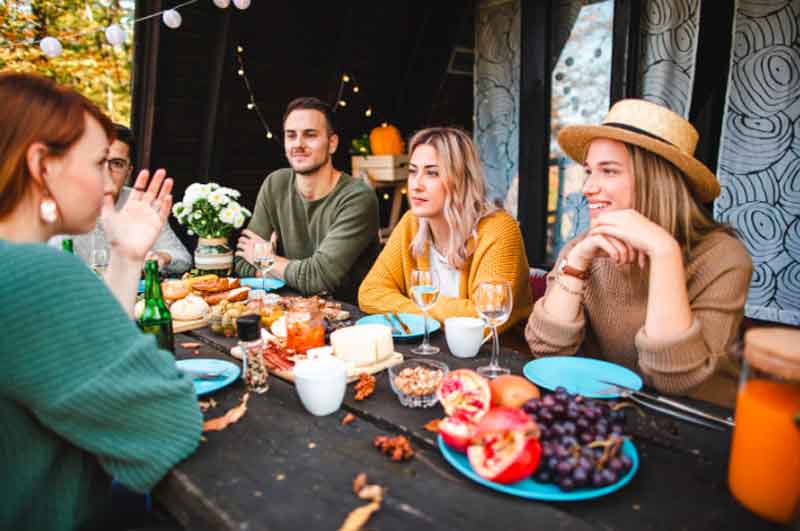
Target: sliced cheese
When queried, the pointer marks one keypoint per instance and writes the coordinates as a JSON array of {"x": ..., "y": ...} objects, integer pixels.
[{"x": 363, "y": 345}]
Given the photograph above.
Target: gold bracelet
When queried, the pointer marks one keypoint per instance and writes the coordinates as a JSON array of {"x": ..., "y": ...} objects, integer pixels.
[{"x": 570, "y": 290}]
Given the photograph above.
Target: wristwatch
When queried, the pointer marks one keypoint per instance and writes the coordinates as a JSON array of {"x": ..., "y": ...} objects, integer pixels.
[{"x": 565, "y": 269}]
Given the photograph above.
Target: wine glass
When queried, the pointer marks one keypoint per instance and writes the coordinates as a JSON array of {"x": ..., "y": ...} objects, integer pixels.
[
  {"x": 99, "y": 261},
  {"x": 264, "y": 258},
  {"x": 425, "y": 293},
  {"x": 494, "y": 301}
]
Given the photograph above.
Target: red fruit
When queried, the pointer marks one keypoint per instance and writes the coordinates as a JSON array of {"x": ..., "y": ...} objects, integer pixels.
[
  {"x": 465, "y": 394},
  {"x": 505, "y": 457},
  {"x": 457, "y": 433},
  {"x": 503, "y": 419},
  {"x": 510, "y": 390}
]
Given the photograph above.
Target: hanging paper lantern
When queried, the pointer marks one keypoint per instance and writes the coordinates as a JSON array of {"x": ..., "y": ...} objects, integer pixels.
[
  {"x": 51, "y": 47},
  {"x": 242, "y": 4},
  {"x": 115, "y": 35},
  {"x": 172, "y": 18},
  {"x": 222, "y": 4}
]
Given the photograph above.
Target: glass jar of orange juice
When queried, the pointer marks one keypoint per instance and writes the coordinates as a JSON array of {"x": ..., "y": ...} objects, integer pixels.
[
  {"x": 305, "y": 328},
  {"x": 764, "y": 470}
]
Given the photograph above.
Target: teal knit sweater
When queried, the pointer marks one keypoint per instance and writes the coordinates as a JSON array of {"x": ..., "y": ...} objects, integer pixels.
[{"x": 84, "y": 396}]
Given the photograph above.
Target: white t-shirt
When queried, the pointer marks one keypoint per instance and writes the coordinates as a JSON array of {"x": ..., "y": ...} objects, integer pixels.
[{"x": 449, "y": 278}]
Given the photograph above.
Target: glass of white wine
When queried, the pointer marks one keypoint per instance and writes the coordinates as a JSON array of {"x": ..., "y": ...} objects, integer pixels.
[
  {"x": 99, "y": 261},
  {"x": 425, "y": 293},
  {"x": 494, "y": 301},
  {"x": 264, "y": 259}
]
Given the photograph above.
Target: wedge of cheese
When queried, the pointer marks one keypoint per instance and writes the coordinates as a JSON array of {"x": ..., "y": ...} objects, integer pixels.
[{"x": 362, "y": 345}]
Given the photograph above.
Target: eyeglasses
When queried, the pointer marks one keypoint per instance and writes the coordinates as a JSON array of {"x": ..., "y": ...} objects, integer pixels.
[{"x": 118, "y": 164}]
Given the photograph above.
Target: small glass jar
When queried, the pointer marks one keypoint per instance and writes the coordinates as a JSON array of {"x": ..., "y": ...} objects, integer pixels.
[
  {"x": 270, "y": 310},
  {"x": 305, "y": 328},
  {"x": 254, "y": 369},
  {"x": 764, "y": 469}
]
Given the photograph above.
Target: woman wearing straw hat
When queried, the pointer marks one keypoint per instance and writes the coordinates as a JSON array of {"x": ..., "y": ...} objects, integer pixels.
[{"x": 655, "y": 284}]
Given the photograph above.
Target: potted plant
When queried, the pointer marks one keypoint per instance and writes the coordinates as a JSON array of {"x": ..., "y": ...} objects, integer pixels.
[{"x": 211, "y": 212}]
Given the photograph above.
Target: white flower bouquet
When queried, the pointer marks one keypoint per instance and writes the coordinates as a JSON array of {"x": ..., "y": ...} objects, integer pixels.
[{"x": 210, "y": 210}]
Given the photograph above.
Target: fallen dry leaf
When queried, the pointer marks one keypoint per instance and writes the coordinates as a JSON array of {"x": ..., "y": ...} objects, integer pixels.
[
  {"x": 433, "y": 425},
  {"x": 359, "y": 483},
  {"x": 191, "y": 344},
  {"x": 371, "y": 493},
  {"x": 231, "y": 416},
  {"x": 348, "y": 419},
  {"x": 359, "y": 516}
]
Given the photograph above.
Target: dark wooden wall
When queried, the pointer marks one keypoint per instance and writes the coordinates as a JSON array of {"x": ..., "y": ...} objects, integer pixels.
[{"x": 202, "y": 129}]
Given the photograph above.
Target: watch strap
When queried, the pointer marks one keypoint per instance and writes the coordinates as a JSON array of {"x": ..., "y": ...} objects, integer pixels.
[{"x": 567, "y": 269}]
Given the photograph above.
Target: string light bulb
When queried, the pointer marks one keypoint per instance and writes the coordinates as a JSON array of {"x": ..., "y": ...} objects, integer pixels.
[
  {"x": 355, "y": 88},
  {"x": 240, "y": 71},
  {"x": 345, "y": 78},
  {"x": 172, "y": 18},
  {"x": 342, "y": 103},
  {"x": 51, "y": 47},
  {"x": 368, "y": 112},
  {"x": 115, "y": 35},
  {"x": 251, "y": 106},
  {"x": 239, "y": 49},
  {"x": 385, "y": 196},
  {"x": 269, "y": 134}
]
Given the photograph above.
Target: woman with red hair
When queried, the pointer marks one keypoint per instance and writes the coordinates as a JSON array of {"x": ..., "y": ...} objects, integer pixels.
[{"x": 84, "y": 395}]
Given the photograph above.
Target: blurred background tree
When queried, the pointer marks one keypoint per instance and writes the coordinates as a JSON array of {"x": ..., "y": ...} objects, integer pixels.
[{"x": 88, "y": 62}]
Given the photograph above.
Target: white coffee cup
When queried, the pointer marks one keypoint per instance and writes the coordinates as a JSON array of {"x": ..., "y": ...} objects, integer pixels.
[
  {"x": 464, "y": 335},
  {"x": 321, "y": 384}
]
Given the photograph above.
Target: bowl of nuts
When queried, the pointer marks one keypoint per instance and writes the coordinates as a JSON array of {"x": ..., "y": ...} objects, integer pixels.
[{"x": 415, "y": 381}]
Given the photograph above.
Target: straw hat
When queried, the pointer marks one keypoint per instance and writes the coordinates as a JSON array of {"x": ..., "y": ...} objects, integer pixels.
[{"x": 652, "y": 127}]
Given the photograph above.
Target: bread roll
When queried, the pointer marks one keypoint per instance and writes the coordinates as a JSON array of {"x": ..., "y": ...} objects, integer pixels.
[
  {"x": 174, "y": 289},
  {"x": 189, "y": 308}
]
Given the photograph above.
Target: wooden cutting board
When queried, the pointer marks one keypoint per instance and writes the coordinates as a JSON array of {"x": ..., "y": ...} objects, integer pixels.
[
  {"x": 184, "y": 326},
  {"x": 352, "y": 373}
]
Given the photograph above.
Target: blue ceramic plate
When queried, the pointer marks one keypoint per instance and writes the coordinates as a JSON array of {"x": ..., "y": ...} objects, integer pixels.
[
  {"x": 413, "y": 321},
  {"x": 269, "y": 283},
  {"x": 141, "y": 286},
  {"x": 528, "y": 488},
  {"x": 230, "y": 372},
  {"x": 580, "y": 375}
]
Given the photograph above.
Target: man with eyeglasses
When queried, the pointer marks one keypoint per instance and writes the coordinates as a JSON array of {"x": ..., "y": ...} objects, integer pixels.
[{"x": 172, "y": 256}]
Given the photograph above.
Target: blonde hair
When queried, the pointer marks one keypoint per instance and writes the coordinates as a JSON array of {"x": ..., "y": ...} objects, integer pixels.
[
  {"x": 465, "y": 202},
  {"x": 662, "y": 195}
]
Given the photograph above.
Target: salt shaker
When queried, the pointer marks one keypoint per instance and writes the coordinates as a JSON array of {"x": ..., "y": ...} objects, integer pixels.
[{"x": 254, "y": 369}]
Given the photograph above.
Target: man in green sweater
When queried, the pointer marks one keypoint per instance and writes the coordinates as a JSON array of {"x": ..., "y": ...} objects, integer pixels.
[{"x": 325, "y": 221}]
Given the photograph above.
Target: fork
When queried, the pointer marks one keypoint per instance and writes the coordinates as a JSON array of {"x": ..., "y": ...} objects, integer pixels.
[
  {"x": 202, "y": 375},
  {"x": 395, "y": 329}
]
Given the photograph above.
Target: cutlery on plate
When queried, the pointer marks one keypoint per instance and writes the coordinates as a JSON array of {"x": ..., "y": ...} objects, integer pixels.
[
  {"x": 202, "y": 375},
  {"x": 637, "y": 397},
  {"x": 395, "y": 329},
  {"x": 406, "y": 329}
]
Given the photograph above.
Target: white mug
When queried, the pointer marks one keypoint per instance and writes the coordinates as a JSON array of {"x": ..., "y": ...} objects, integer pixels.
[
  {"x": 321, "y": 384},
  {"x": 464, "y": 335}
]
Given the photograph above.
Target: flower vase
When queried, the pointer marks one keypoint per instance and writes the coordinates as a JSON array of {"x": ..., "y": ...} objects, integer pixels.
[{"x": 213, "y": 256}]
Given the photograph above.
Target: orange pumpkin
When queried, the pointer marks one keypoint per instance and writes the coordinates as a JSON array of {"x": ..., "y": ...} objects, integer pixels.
[{"x": 386, "y": 140}]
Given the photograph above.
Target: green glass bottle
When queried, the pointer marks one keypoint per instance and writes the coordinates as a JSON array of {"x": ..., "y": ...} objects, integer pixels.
[
  {"x": 66, "y": 245},
  {"x": 155, "y": 318}
]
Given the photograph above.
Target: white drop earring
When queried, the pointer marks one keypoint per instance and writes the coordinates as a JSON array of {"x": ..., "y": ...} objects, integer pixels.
[{"x": 48, "y": 210}]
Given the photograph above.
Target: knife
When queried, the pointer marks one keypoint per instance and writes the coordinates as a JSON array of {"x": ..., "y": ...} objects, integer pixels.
[
  {"x": 406, "y": 329},
  {"x": 672, "y": 403},
  {"x": 395, "y": 328}
]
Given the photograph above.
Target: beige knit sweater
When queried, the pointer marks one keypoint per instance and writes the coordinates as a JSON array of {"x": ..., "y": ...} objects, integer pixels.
[{"x": 611, "y": 326}]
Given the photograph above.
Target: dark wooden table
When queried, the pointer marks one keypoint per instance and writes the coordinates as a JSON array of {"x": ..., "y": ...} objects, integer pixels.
[{"x": 280, "y": 467}]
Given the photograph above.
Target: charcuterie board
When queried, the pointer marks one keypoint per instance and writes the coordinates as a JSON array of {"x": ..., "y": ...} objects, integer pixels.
[{"x": 179, "y": 327}]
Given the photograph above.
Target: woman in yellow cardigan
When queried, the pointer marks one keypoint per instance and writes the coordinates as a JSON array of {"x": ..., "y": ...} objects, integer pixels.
[{"x": 451, "y": 228}]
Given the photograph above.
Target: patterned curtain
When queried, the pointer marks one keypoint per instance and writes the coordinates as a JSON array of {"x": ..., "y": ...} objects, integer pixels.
[
  {"x": 759, "y": 159},
  {"x": 669, "y": 47},
  {"x": 497, "y": 65}
]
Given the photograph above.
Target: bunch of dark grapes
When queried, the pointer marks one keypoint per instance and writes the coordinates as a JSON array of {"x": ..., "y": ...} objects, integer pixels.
[{"x": 581, "y": 440}]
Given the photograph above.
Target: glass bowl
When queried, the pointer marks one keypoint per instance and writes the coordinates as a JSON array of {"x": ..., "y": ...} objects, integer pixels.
[{"x": 412, "y": 390}]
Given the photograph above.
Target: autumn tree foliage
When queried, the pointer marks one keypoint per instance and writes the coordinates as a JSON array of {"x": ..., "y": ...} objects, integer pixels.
[{"x": 88, "y": 62}]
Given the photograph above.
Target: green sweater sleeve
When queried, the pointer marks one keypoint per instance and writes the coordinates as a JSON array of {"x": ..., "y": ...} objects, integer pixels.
[
  {"x": 79, "y": 365},
  {"x": 353, "y": 230},
  {"x": 261, "y": 223}
]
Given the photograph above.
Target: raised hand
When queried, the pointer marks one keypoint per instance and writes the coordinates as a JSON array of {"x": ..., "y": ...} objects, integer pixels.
[
  {"x": 133, "y": 230},
  {"x": 636, "y": 231}
]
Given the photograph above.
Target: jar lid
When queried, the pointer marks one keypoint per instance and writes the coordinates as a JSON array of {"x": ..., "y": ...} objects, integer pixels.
[
  {"x": 775, "y": 350},
  {"x": 248, "y": 327}
]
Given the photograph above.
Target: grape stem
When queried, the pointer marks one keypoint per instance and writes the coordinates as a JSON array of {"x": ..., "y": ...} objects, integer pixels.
[{"x": 610, "y": 448}]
